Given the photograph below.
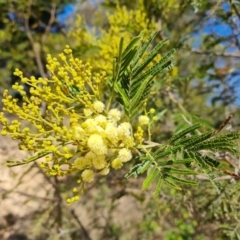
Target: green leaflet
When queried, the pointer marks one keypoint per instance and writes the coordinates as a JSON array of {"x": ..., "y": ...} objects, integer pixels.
[
  {"x": 184, "y": 161},
  {"x": 232, "y": 135},
  {"x": 132, "y": 45},
  {"x": 139, "y": 68},
  {"x": 166, "y": 162},
  {"x": 184, "y": 132},
  {"x": 154, "y": 172},
  {"x": 215, "y": 145},
  {"x": 171, "y": 170},
  {"x": 138, "y": 96},
  {"x": 139, "y": 169},
  {"x": 173, "y": 185},
  {"x": 179, "y": 180},
  {"x": 170, "y": 150},
  {"x": 211, "y": 161},
  {"x": 158, "y": 187},
  {"x": 217, "y": 184},
  {"x": 200, "y": 162},
  {"x": 208, "y": 170},
  {"x": 126, "y": 61},
  {"x": 190, "y": 141},
  {"x": 142, "y": 48},
  {"x": 118, "y": 63}
]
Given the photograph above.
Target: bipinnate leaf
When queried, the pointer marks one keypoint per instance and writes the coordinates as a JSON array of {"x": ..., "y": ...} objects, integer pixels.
[
  {"x": 184, "y": 132},
  {"x": 131, "y": 83}
]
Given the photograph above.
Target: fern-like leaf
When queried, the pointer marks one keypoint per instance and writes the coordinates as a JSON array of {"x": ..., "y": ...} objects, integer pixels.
[
  {"x": 184, "y": 132},
  {"x": 130, "y": 82},
  {"x": 154, "y": 172}
]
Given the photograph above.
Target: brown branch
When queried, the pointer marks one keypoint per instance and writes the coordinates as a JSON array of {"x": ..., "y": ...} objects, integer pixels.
[
  {"x": 84, "y": 232},
  {"x": 50, "y": 22},
  {"x": 37, "y": 46},
  {"x": 26, "y": 23},
  {"x": 59, "y": 201},
  {"x": 198, "y": 51},
  {"x": 226, "y": 121},
  {"x": 174, "y": 100},
  {"x": 29, "y": 195}
]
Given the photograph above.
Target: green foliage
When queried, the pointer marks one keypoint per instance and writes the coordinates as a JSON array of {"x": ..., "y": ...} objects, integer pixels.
[
  {"x": 130, "y": 81},
  {"x": 186, "y": 151}
]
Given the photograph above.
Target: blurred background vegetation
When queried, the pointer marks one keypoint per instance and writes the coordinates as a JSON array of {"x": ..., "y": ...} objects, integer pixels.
[{"x": 203, "y": 86}]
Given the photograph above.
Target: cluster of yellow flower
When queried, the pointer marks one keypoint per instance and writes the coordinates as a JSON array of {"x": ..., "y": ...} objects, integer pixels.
[
  {"x": 122, "y": 23},
  {"x": 77, "y": 132}
]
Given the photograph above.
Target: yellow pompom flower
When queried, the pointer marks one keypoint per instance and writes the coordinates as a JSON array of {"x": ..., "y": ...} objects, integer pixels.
[
  {"x": 143, "y": 120},
  {"x": 81, "y": 163},
  {"x": 117, "y": 163},
  {"x": 124, "y": 130},
  {"x": 98, "y": 161},
  {"x": 104, "y": 171},
  {"x": 125, "y": 155},
  {"x": 101, "y": 120},
  {"x": 87, "y": 112},
  {"x": 96, "y": 144},
  {"x": 78, "y": 132},
  {"x": 88, "y": 175},
  {"x": 114, "y": 115},
  {"x": 111, "y": 133},
  {"x": 98, "y": 106},
  {"x": 90, "y": 125}
]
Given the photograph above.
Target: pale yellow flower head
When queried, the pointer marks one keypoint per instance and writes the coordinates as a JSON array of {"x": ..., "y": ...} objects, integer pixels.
[
  {"x": 101, "y": 120},
  {"x": 87, "y": 112},
  {"x": 104, "y": 171},
  {"x": 143, "y": 120},
  {"x": 124, "y": 130},
  {"x": 112, "y": 133},
  {"x": 97, "y": 145},
  {"x": 82, "y": 163},
  {"x": 125, "y": 155},
  {"x": 117, "y": 163},
  {"x": 78, "y": 132},
  {"x": 99, "y": 162},
  {"x": 90, "y": 125},
  {"x": 88, "y": 175},
  {"x": 98, "y": 106},
  {"x": 114, "y": 115}
]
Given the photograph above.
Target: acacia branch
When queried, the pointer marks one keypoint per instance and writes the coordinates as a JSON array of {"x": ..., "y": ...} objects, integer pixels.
[
  {"x": 198, "y": 51},
  {"x": 28, "y": 195},
  {"x": 35, "y": 46},
  {"x": 83, "y": 232},
  {"x": 26, "y": 23},
  {"x": 50, "y": 22}
]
